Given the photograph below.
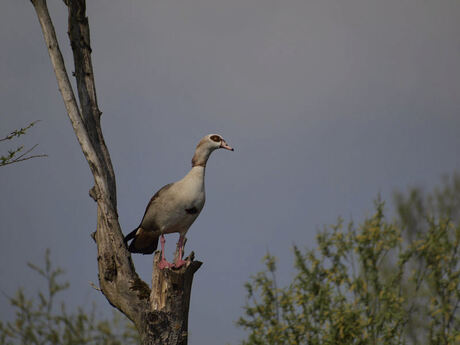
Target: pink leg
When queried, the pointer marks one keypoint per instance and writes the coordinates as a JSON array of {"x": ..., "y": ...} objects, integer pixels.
[
  {"x": 163, "y": 263},
  {"x": 179, "y": 262}
]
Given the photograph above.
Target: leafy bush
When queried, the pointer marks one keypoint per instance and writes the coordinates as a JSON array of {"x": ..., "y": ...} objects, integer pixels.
[
  {"x": 381, "y": 282},
  {"x": 39, "y": 321}
]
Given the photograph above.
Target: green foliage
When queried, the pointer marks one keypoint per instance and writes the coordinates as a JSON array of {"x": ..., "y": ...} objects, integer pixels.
[
  {"x": 39, "y": 321},
  {"x": 17, "y": 155},
  {"x": 418, "y": 213},
  {"x": 365, "y": 284}
]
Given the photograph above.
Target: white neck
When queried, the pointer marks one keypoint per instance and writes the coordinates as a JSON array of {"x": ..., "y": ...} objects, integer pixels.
[
  {"x": 194, "y": 180},
  {"x": 197, "y": 172},
  {"x": 201, "y": 155}
]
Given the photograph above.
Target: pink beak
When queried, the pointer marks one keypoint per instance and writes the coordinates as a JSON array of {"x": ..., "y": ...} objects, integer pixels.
[{"x": 224, "y": 145}]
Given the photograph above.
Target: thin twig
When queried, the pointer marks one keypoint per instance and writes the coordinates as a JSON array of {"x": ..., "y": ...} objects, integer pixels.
[
  {"x": 94, "y": 286},
  {"x": 28, "y": 151},
  {"x": 18, "y": 132},
  {"x": 23, "y": 159}
]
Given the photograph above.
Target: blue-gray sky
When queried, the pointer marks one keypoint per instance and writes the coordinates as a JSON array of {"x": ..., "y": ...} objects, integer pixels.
[{"x": 327, "y": 102}]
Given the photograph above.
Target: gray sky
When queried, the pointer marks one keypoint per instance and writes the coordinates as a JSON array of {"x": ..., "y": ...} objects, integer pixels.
[{"x": 327, "y": 102}]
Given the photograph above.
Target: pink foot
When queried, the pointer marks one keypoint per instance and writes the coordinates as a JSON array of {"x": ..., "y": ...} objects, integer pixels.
[
  {"x": 164, "y": 264},
  {"x": 179, "y": 263}
]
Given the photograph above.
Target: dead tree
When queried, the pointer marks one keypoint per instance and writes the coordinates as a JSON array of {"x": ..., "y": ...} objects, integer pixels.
[{"x": 161, "y": 313}]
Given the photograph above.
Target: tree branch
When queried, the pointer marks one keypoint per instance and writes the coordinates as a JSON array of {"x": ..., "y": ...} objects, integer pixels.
[
  {"x": 20, "y": 158},
  {"x": 18, "y": 132},
  {"x": 12, "y": 156},
  {"x": 116, "y": 270},
  {"x": 118, "y": 279}
]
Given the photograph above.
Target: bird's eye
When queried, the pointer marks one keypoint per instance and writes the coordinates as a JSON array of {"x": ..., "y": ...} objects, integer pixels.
[{"x": 216, "y": 138}]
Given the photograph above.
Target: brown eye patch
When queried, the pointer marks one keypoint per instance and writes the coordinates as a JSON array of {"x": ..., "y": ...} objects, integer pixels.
[{"x": 216, "y": 138}]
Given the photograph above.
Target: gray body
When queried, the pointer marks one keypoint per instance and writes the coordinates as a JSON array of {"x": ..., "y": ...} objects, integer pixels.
[{"x": 175, "y": 207}]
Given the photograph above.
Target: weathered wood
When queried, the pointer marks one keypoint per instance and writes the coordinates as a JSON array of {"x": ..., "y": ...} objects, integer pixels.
[
  {"x": 161, "y": 322},
  {"x": 169, "y": 303}
]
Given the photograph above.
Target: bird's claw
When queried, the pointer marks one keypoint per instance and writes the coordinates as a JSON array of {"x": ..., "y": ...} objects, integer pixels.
[
  {"x": 164, "y": 264},
  {"x": 179, "y": 263}
]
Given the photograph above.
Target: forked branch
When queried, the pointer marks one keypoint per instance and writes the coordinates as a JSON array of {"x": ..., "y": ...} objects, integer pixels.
[
  {"x": 118, "y": 279},
  {"x": 116, "y": 271}
]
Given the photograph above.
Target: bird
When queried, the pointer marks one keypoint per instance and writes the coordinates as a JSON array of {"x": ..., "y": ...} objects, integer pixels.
[{"x": 175, "y": 206}]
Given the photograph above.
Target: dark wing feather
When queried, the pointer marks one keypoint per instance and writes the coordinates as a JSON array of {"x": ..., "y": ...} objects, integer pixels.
[
  {"x": 156, "y": 196},
  {"x": 144, "y": 242}
]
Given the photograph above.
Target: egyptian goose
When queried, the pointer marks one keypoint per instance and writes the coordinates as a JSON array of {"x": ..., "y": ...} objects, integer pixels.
[{"x": 175, "y": 207}]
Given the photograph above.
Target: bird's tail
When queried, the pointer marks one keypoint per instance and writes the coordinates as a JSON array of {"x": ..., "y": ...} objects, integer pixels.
[{"x": 144, "y": 242}]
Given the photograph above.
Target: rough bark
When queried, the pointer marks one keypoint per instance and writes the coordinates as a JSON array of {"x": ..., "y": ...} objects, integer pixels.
[
  {"x": 160, "y": 314},
  {"x": 169, "y": 304}
]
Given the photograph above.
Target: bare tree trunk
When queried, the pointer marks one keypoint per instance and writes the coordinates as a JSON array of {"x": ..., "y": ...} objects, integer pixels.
[
  {"x": 160, "y": 314},
  {"x": 170, "y": 302}
]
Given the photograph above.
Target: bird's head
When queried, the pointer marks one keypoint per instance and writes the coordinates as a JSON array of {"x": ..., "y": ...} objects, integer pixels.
[
  {"x": 206, "y": 145},
  {"x": 217, "y": 142}
]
